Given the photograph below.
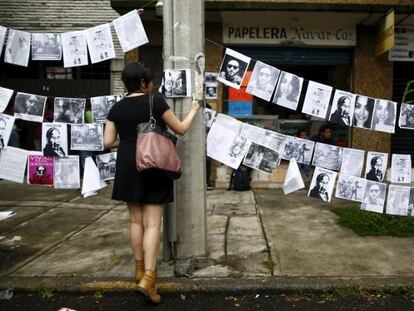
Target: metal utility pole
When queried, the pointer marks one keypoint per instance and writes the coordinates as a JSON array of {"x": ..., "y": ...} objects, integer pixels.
[{"x": 185, "y": 221}]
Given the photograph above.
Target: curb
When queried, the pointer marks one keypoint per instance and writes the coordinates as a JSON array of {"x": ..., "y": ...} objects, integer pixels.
[{"x": 175, "y": 285}]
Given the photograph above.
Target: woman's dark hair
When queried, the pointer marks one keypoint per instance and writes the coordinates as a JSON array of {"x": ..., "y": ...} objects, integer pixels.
[{"x": 135, "y": 73}]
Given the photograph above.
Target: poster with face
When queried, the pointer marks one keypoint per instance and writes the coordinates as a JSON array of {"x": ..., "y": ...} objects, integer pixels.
[
  {"x": 208, "y": 116},
  {"x": 350, "y": 188},
  {"x": 106, "y": 164},
  {"x": 211, "y": 90},
  {"x": 322, "y": 184},
  {"x": 210, "y": 77},
  {"x": 401, "y": 168},
  {"x": 6, "y": 127},
  {"x": 176, "y": 83},
  {"x": 288, "y": 91},
  {"x": 69, "y": 110},
  {"x": 130, "y": 31},
  {"x": 3, "y": 31},
  {"x": 398, "y": 200},
  {"x": 54, "y": 139},
  {"x": 406, "y": 119},
  {"x": 100, "y": 44},
  {"x": 101, "y": 105},
  {"x": 261, "y": 158},
  {"x": 200, "y": 66},
  {"x": 75, "y": 51},
  {"x": 46, "y": 46},
  {"x": 374, "y": 197},
  {"x": 233, "y": 68},
  {"x": 376, "y": 166},
  {"x": 17, "y": 48},
  {"x": 327, "y": 156},
  {"x": 317, "y": 99},
  {"x": 29, "y": 107},
  {"x": 299, "y": 149},
  {"x": 88, "y": 136},
  {"x": 5, "y": 96},
  {"x": 342, "y": 108},
  {"x": 385, "y": 114},
  {"x": 352, "y": 161},
  {"x": 364, "y": 107},
  {"x": 263, "y": 81},
  {"x": 39, "y": 169}
]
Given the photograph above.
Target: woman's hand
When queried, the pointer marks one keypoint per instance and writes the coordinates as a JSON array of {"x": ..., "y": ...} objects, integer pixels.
[{"x": 195, "y": 106}]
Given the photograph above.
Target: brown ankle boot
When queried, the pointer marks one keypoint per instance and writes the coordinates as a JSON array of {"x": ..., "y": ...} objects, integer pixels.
[
  {"x": 148, "y": 287},
  {"x": 139, "y": 270}
]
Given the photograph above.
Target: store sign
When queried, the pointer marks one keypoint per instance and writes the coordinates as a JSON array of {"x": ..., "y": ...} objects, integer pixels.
[
  {"x": 403, "y": 49},
  {"x": 385, "y": 38},
  {"x": 288, "y": 28}
]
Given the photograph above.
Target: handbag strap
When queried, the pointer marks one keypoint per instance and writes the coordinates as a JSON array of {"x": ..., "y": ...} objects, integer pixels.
[{"x": 151, "y": 105}]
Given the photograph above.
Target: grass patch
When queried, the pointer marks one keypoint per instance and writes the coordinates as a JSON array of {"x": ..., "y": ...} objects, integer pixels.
[{"x": 366, "y": 223}]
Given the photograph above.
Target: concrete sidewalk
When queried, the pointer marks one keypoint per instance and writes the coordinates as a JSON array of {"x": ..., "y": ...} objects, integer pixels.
[{"x": 261, "y": 238}]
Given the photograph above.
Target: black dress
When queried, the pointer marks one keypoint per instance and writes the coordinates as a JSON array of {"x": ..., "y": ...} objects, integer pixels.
[{"x": 131, "y": 186}]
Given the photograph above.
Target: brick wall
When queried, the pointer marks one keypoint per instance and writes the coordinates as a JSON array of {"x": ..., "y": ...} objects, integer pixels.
[{"x": 62, "y": 16}]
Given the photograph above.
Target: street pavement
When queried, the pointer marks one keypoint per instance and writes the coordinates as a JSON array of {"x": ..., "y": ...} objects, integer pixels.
[{"x": 256, "y": 239}]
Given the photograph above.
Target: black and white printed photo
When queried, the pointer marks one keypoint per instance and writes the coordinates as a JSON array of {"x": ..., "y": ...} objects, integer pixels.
[
  {"x": 327, "y": 156},
  {"x": 233, "y": 68},
  {"x": 253, "y": 133},
  {"x": 374, "y": 197},
  {"x": 342, "y": 109},
  {"x": 17, "y": 48},
  {"x": 350, "y": 188},
  {"x": 88, "y": 137},
  {"x": 317, "y": 99},
  {"x": 322, "y": 184},
  {"x": 5, "y": 96},
  {"x": 406, "y": 119},
  {"x": 376, "y": 166},
  {"x": 261, "y": 158},
  {"x": 176, "y": 83},
  {"x": 106, "y": 164},
  {"x": 75, "y": 51},
  {"x": 54, "y": 139},
  {"x": 300, "y": 149},
  {"x": 208, "y": 116},
  {"x": 130, "y": 31},
  {"x": 288, "y": 91},
  {"x": 29, "y": 107},
  {"x": 364, "y": 107},
  {"x": 101, "y": 105},
  {"x": 3, "y": 31},
  {"x": 6, "y": 127},
  {"x": 69, "y": 110},
  {"x": 401, "y": 168},
  {"x": 398, "y": 200},
  {"x": 385, "y": 114},
  {"x": 211, "y": 90},
  {"x": 67, "y": 172},
  {"x": 46, "y": 46},
  {"x": 263, "y": 81},
  {"x": 410, "y": 211},
  {"x": 100, "y": 44},
  {"x": 352, "y": 161},
  {"x": 210, "y": 77},
  {"x": 275, "y": 141}
]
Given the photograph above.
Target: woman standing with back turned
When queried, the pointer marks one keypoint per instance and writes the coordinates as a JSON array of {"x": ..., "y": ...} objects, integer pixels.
[{"x": 144, "y": 192}]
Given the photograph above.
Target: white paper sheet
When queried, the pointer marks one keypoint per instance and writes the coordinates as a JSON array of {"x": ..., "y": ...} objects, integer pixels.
[
  {"x": 317, "y": 99},
  {"x": 385, "y": 116},
  {"x": 288, "y": 91},
  {"x": 327, "y": 156},
  {"x": 7, "y": 214},
  {"x": 130, "y": 31},
  {"x": 253, "y": 133},
  {"x": 401, "y": 168},
  {"x": 6, "y": 127},
  {"x": 293, "y": 179},
  {"x": 177, "y": 83},
  {"x": 398, "y": 200},
  {"x": 91, "y": 179},
  {"x": 350, "y": 188},
  {"x": 233, "y": 68},
  {"x": 29, "y": 107},
  {"x": 5, "y": 96},
  {"x": 298, "y": 148},
  {"x": 263, "y": 81},
  {"x": 13, "y": 164},
  {"x": 352, "y": 161},
  {"x": 75, "y": 51},
  {"x": 3, "y": 31},
  {"x": 100, "y": 44},
  {"x": 261, "y": 158},
  {"x": 101, "y": 105},
  {"x": 406, "y": 119},
  {"x": 208, "y": 116},
  {"x": 46, "y": 46},
  {"x": 17, "y": 48},
  {"x": 374, "y": 197},
  {"x": 69, "y": 110},
  {"x": 106, "y": 164},
  {"x": 88, "y": 136},
  {"x": 67, "y": 175}
]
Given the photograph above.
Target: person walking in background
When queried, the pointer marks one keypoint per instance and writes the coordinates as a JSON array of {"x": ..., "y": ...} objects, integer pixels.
[
  {"x": 144, "y": 192},
  {"x": 325, "y": 135}
]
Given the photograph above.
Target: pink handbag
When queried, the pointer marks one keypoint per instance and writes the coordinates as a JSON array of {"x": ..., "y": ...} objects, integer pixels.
[{"x": 156, "y": 148}]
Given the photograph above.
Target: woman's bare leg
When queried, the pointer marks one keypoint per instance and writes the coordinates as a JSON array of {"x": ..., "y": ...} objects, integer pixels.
[
  {"x": 152, "y": 215},
  {"x": 136, "y": 229}
]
